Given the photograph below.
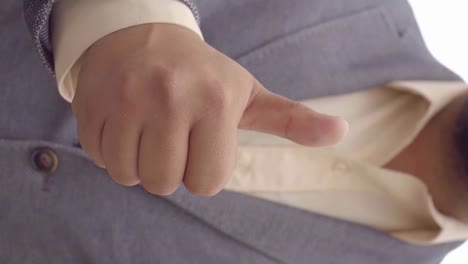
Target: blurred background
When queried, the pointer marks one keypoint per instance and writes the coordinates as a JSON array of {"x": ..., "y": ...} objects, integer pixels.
[{"x": 443, "y": 24}]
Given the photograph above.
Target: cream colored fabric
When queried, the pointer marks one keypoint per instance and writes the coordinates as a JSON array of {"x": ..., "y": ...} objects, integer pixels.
[
  {"x": 347, "y": 181},
  {"x": 79, "y": 24}
]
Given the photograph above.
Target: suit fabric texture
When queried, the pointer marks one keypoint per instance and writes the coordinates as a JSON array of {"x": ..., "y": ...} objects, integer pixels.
[{"x": 300, "y": 49}]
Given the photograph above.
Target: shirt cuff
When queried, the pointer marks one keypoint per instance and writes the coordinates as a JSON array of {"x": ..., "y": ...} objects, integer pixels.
[{"x": 76, "y": 25}]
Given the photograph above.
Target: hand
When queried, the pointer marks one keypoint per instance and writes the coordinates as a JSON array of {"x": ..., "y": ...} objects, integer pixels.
[{"x": 157, "y": 105}]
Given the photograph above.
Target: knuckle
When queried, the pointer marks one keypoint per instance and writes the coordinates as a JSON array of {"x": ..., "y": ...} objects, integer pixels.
[
  {"x": 293, "y": 105},
  {"x": 128, "y": 96},
  {"x": 290, "y": 120},
  {"x": 218, "y": 96},
  {"x": 168, "y": 93},
  {"x": 167, "y": 77}
]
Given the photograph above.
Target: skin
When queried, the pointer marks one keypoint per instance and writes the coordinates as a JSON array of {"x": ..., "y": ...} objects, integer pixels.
[
  {"x": 431, "y": 157},
  {"x": 156, "y": 105}
]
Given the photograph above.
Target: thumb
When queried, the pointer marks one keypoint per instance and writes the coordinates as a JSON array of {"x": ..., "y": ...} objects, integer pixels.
[{"x": 273, "y": 114}]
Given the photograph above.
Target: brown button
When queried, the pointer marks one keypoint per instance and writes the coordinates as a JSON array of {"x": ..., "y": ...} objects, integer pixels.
[{"x": 45, "y": 160}]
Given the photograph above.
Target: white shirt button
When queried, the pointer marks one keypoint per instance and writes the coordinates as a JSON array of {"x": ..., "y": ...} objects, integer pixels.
[
  {"x": 244, "y": 164},
  {"x": 340, "y": 166},
  {"x": 244, "y": 161}
]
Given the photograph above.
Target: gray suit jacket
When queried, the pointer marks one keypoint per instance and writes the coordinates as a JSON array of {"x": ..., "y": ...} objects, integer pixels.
[{"x": 76, "y": 214}]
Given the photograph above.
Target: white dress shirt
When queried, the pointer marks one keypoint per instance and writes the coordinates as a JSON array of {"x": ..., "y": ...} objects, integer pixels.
[{"x": 347, "y": 181}]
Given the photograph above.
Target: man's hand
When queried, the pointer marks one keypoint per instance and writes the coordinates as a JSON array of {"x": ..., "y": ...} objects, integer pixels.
[{"x": 157, "y": 105}]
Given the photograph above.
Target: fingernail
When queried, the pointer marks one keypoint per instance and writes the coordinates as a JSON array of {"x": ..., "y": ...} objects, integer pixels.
[
  {"x": 345, "y": 124},
  {"x": 336, "y": 128}
]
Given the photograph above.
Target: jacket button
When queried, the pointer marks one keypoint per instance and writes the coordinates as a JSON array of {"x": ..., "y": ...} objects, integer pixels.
[{"x": 45, "y": 160}]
